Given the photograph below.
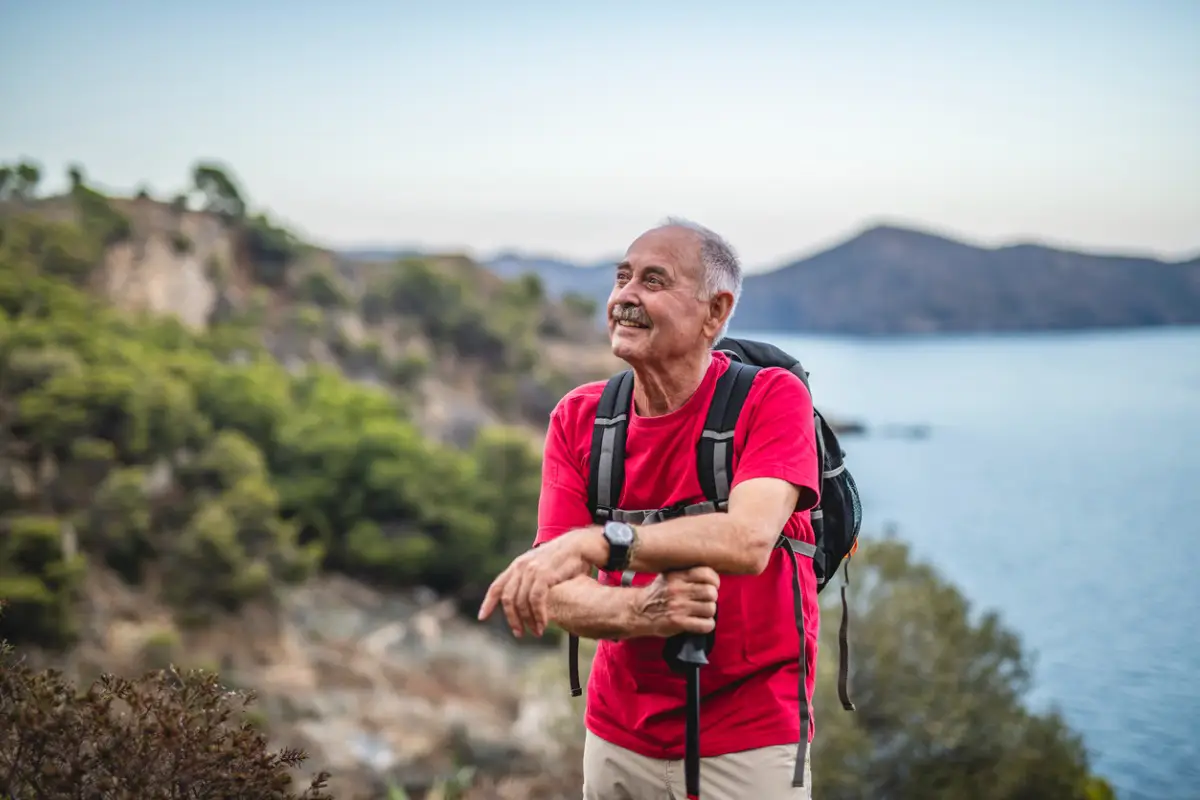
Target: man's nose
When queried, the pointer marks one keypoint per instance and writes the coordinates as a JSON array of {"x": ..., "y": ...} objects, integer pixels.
[{"x": 625, "y": 295}]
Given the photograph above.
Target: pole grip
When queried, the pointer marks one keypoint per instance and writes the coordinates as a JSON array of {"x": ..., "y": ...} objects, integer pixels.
[{"x": 691, "y": 651}]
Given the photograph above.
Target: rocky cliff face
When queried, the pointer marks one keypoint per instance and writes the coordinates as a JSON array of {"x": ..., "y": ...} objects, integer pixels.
[{"x": 166, "y": 267}]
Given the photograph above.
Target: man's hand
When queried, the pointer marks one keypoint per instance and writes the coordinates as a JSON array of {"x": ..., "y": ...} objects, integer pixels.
[
  {"x": 680, "y": 602},
  {"x": 524, "y": 587}
]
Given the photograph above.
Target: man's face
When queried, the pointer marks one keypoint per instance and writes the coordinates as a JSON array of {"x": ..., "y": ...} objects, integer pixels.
[{"x": 655, "y": 313}]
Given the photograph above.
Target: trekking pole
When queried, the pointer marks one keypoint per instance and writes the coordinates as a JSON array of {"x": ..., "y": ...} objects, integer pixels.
[{"x": 692, "y": 656}]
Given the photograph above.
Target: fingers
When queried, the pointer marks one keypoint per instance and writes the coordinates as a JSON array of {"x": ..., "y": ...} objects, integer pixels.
[
  {"x": 492, "y": 598},
  {"x": 539, "y": 606},
  {"x": 702, "y": 575},
  {"x": 506, "y": 592},
  {"x": 690, "y": 615},
  {"x": 524, "y": 593},
  {"x": 509, "y": 599},
  {"x": 697, "y": 618},
  {"x": 524, "y": 604},
  {"x": 700, "y": 625},
  {"x": 702, "y": 590}
]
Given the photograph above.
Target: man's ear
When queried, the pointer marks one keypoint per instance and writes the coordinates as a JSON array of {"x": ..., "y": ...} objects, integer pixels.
[{"x": 720, "y": 306}]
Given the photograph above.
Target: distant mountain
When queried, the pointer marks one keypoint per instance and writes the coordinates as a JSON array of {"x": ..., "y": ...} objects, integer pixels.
[{"x": 890, "y": 280}]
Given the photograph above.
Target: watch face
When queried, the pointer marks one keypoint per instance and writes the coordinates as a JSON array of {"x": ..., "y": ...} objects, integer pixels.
[{"x": 620, "y": 533}]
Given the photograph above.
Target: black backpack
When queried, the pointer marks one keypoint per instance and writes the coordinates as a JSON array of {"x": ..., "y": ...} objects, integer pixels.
[{"x": 835, "y": 520}]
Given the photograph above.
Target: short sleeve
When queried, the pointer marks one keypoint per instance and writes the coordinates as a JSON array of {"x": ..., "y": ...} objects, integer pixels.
[
  {"x": 563, "y": 503},
  {"x": 779, "y": 439}
]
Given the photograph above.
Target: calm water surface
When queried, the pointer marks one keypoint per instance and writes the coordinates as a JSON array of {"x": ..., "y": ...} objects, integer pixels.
[{"x": 1059, "y": 485}]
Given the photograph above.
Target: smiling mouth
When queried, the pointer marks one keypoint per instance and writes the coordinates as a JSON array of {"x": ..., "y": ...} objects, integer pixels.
[{"x": 628, "y": 323}]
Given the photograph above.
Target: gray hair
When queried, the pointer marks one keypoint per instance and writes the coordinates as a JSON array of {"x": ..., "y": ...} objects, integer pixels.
[{"x": 722, "y": 269}]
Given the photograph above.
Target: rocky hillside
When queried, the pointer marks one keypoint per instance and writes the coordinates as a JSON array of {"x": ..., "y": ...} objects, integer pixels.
[
  {"x": 206, "y": 424},
  {"x": 891, "y": 280},
  {"x": 470, "y": 348}
]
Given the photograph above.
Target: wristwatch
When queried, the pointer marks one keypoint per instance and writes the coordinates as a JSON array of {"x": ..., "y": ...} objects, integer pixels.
[{"x": 620, "y": 537}]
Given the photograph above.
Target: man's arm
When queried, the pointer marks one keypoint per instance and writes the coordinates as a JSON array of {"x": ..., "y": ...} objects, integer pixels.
[
  {"x": 684, "y": 601},
  {"x": 736, "y": 543},
  {"x": 591, "y": 610}
]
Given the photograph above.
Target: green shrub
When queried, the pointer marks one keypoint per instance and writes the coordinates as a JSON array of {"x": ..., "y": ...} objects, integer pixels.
[
  {"x": 38, "y": 580},
  {"x": 320, "y": 286}
]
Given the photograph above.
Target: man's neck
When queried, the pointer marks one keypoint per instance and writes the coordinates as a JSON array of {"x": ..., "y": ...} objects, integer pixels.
[{"x": 657, "y": 392}]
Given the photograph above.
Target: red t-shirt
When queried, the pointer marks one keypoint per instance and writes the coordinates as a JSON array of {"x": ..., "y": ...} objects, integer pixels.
[{"x": 750, "y": 685}]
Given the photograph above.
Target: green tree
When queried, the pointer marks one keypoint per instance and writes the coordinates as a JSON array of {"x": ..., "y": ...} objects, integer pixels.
[
  {"x": 271, "y": 249},
  {"x": 75, "y": 176},
  {"x": 29, "y": 175},
  {"x": 221, "y": 193},
  {"x": 39, "y": 579},
  {"x": 19, "y": 182},
  {"x": 321, "y": 286}
]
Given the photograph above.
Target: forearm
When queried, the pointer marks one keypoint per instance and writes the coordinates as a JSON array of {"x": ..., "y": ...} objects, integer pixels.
[
  {"x": 591, "y": 610},
  {"x": 709, "y": 540}
]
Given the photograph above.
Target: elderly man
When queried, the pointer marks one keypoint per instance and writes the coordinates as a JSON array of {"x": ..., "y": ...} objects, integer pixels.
[{"x": 672, "y": 298}]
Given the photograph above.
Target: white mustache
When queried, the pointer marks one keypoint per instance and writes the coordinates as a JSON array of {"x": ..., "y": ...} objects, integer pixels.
[{"x": 630, "y": 314}]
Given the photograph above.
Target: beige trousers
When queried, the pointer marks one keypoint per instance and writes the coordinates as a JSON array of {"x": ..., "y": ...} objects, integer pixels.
[{"x": 613, "y": 773}]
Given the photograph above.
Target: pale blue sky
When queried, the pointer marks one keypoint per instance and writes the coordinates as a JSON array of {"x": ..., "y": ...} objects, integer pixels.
[{"x": 568, "y": 127}]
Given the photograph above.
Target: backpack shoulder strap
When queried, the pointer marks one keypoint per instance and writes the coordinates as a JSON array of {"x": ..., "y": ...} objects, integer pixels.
[
  {"x": 715, "y": 463},
  {"x": 607, "y": 461},
  {"x": 606, "y": 467},
  {"x": 714, "y": 451}
]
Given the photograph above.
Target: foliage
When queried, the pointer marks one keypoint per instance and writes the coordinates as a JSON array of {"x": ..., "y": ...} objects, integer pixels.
[
  {"x": 201, "y": 460},
  {"x": 19, "y": 181},
  {"x": 37, "y": 578},
  {"x": 221, "y": 192},
  {"x": 476, "y": 318},
  {"x": 270, "y": 250},
  {"x": 99, "y": 220},
  {"x": 321, "y": 287},
  {"x": 939, "y": 698},
  {"x": 163, "y": 736},
  {"x": 581, "y": 304}
]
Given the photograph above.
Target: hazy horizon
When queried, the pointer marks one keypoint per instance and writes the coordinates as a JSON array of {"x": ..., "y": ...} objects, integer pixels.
[
  {"x": 1186, "y": 255},
  {"x": 565, "y": 132}
]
